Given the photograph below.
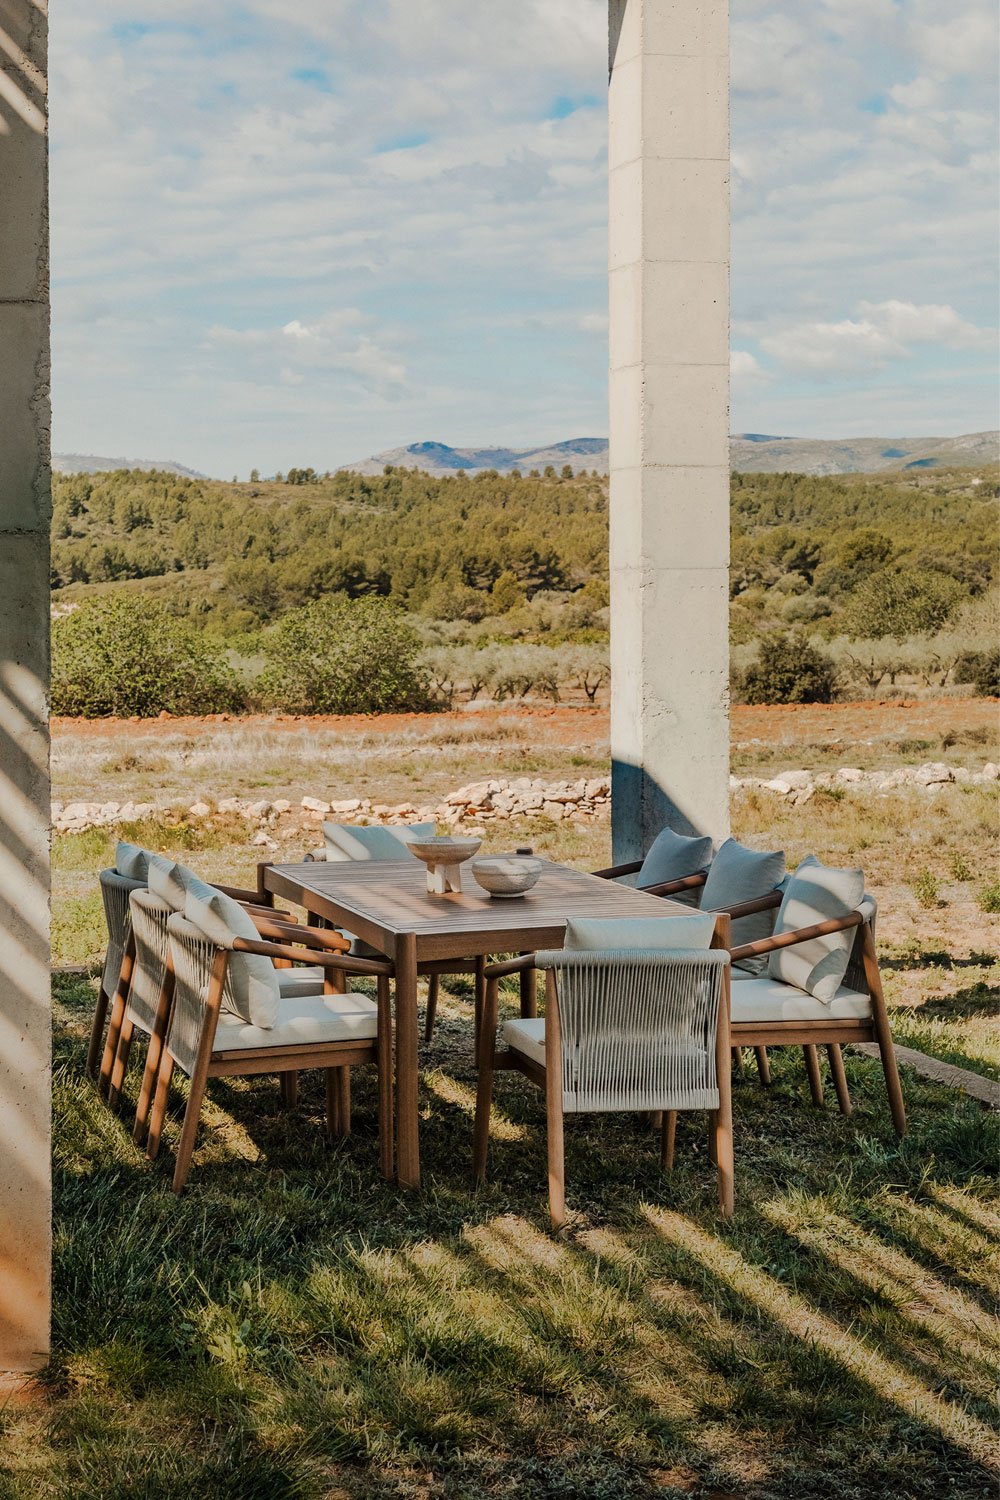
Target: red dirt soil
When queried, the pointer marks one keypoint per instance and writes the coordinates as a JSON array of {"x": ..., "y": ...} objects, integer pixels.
[{"x": 563, "y": 724}]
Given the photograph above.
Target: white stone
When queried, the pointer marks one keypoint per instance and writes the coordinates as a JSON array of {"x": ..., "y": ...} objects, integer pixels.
[
  {"x": 850, "y": 774},
  {"x": 199, "y": 810},
  {"x": 282, "y": 805},
  {"x": 991, "y": 771},
  {"x": 933, "y": 773},
  {"x": 317, "y": 805}
]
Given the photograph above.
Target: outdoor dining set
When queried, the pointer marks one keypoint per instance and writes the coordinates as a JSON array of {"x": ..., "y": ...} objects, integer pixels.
[{"x": 656, "y": 975}]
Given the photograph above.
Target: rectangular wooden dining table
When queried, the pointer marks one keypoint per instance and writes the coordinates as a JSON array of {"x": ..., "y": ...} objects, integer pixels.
[{"x": 388, "y": 905}]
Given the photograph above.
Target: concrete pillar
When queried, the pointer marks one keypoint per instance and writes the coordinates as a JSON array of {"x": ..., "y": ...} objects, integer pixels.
[
  {"x": 25, "y": 1071},
  {"x": 669, "y": 418}
]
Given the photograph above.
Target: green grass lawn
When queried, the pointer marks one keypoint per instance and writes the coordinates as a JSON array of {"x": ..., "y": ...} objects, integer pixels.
[{"x": 293, "y": 1326}]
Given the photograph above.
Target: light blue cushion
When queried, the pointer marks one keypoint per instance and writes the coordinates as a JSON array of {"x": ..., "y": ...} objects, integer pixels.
[
  {"x": 646, "y": 934},
  {"x": 131, "y": 861},
  {"x": 740, "y": 874},
  {"x": 347, "y": 841},
  {"x": 672, "y": 856},
  {"x": 817, "y": 893}
]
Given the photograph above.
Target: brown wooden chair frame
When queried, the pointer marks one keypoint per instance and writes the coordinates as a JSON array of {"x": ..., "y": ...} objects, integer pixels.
[{"x": 336, "y": 1058}]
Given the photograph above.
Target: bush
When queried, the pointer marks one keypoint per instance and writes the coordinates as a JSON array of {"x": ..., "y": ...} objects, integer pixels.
[
  {"x": 788, "y": 669},
  {"x": 343, "y": 656},
  {"x": 122, "y": 655},
  {"x": 982, "y": 670},
  {"x": 989, "y": 898}
]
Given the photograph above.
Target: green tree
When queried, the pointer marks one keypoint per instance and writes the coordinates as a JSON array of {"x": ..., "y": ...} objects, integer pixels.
[
  {"x": 342, "y": 656},
  {"x": 120, "y": 655},
  {"x": 898, "y": 603}
]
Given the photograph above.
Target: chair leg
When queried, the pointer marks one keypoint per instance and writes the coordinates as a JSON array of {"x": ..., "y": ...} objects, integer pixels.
[
  {"x": 484, "y": 1085},
  {"x": 120, "y": 1065},
  {"x": 97, "y": 1032},
  {"x": 528, "y": 982},
  {"x": 812, "y": 1071},
  {"x": 741, "y": 1062},
  {"x": 433, "y": 987},
  {"x": 557, "y": 1169},
  {"x": 158, "y": 1113},
  {"x": 189, "y": 1130},
  {"x": 668, "y": 1139},
  {"x": 344, "y": 1088},
  {"x": 722, "y": 1118},
  {"x": 383, "y": 1049},
  {"x": 111, "y": 1044},
  {"x": 332, "y": 1102},
  {"x": 883, "y": 1035},
  {"x": 836, "y": 1060},
  {"x": 154, "y": 1054},
  {"x": 763, "y": 1066}
]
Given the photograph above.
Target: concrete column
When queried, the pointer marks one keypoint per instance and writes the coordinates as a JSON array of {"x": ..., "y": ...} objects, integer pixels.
[
  {"x": 25, "y": 1071},
  {"x": 669, "y": 418}
]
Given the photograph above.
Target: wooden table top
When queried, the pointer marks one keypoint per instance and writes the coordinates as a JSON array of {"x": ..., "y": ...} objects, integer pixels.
[{"x": 381, "y": 901}]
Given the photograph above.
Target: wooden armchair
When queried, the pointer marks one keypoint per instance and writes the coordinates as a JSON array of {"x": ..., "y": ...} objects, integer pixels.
[
  {"x": 335, "y": 1031},
  {"x": 623, "y": 1031}
]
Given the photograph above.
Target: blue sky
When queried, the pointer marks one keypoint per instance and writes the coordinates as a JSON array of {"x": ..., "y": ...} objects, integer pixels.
[{"x": 299, "y": 234}]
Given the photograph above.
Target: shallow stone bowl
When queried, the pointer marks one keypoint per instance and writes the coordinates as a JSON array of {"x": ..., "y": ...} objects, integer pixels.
[
  {"x": 506, "y": 875},
  {"x": 443, "y": 849}
]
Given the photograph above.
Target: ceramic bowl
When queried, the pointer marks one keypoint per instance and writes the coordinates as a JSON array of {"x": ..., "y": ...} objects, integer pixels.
[
  {"x": 506, "y": 875},
  {"x": 443, "y": 849}
]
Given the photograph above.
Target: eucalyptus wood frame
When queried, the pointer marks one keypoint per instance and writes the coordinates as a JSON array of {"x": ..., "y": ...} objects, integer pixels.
[
  {"x": 549, "y": 1080},
  {"x": 336, "y": 1058}
]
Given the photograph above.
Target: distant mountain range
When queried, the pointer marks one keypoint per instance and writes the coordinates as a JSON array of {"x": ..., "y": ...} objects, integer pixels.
[
  {"x": 92, "y": 463},
  {"x": 750, "y": 453}
]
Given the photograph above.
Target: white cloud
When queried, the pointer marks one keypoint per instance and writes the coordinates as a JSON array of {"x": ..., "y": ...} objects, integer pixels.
[{"x": 883, "y": 332}]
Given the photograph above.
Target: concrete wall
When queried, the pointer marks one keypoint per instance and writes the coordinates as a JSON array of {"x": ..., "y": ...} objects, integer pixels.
[
  {"x": 669, "y": 417},
  {"x": 25, "y": 1074}
]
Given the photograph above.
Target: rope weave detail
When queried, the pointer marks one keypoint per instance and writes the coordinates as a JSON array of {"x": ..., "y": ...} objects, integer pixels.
[{"x": 638, "y": 1030}]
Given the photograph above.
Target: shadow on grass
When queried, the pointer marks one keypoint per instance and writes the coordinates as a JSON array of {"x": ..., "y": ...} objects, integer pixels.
[{"x": 294, "y": 1326}]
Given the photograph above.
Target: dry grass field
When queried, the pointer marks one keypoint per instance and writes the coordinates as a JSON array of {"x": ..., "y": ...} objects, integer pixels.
[{"x": 293, "y": 1327}]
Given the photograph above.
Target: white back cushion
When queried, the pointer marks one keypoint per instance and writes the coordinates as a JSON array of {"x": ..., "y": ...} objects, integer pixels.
[
  {"x": 817, "y": 893},
  {"x": 171, "y": 882},
  {"x": 647, "y": 934},
  {"x": 252, "y": 987},
  {"x": 131, "y": 861},
  {"x": 350, "y": 841}
]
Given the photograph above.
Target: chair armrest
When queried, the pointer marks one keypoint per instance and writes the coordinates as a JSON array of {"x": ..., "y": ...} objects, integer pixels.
[
  {"x": 614, "y": 871},
  {"x": 800, "y": 935},
  {"x": 240, "y": 893},
  {"x": 748, "y": 908},
  {"x": 674, "y": 887},
  {"x": 324, "y": 958},
  {"x": 510, "y": 966},
  {"x": 319, "y": 939}
]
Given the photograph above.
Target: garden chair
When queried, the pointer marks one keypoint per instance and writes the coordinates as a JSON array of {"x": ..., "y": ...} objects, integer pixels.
[
  {"x": 117, "y": 890},
  {"x": 822, "y": 986},
  {"x": 147, "y": 1006},
  {"x": 220, "y": 983},
  {"x": 738, "y": 881},
  {"x": 375, "y": 841},
  {"x": 626, "y": 1028}
]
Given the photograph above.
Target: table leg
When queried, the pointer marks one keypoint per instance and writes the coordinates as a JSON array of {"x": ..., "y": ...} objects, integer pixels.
[{"x": 407, "y": 1064}]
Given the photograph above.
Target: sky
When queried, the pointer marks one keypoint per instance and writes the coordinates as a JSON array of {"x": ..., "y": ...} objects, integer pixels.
[{"x": 298, "y": 234}]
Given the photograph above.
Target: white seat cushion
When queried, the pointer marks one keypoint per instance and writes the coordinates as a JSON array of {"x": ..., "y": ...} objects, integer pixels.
[
  {"x": 301, "y": 1021},
  {"x": 769, "y": 1000},
  {"x": 304, "y": 979},
  {"x": 527, "y": 1036}
]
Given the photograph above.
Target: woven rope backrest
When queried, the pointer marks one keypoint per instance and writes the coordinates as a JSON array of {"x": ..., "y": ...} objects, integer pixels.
[
  {"x": 115, "y": 891},
  {"x": 149, "y": 915},
  {"x": 193, "y": 956},
  {"x": 855, "y": 977},
  {"x": 638, "y": 1029}
]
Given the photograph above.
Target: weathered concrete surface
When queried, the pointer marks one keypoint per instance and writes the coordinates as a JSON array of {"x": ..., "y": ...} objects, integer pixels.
[
  {"x": 669, "y": 417},
  {"x": 962, "y": 1079},
  {"x": 25, "y": 1072}
]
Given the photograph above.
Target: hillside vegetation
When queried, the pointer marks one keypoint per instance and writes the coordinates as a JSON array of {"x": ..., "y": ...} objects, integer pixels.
[{"x": 881, "y": 575}]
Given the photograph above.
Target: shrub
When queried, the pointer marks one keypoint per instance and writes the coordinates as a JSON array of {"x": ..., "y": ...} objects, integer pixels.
[
  {"x": 982, "y": 670},
  {"x": 901, "y": 603},
  {"x": 926, "y": 888},
  {"x": 343, "y": 656},
  {"x": 122, "y": 655},
  {"x": 788, "y": 669},
  {"x": 989, "y": 897}
]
